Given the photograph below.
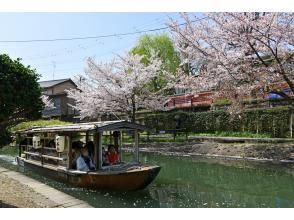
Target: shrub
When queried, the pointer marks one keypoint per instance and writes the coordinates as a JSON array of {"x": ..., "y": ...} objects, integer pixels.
[{"x": 273, "y": 122}]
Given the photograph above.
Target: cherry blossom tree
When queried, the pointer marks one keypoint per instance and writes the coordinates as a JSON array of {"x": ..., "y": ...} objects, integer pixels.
[
  {"x": 242, "y": 52},
  {"x": 47, "y": 102},
  {"x": 120, "y": 86}
]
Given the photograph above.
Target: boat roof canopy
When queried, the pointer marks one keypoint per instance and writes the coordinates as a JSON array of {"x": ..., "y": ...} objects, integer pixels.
[{"x": 91, "y": 127}]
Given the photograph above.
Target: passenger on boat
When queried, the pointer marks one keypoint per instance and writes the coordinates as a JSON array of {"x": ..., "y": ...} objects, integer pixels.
[
  {"x": 84, "y": 162},
  {"x": 52, "y": 144},
  {"x": 75, "y": 156},
  {"x": 105, "y": 161},
  {"x": 77, "y": 144},
  {"x": 76, "y": 152},
  {"x": 112, "y": 155},
  {"x": 90, "y": 145}
]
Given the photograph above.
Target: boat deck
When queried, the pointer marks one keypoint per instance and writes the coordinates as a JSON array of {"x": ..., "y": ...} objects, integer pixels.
[{"x": 120, "y": 168}]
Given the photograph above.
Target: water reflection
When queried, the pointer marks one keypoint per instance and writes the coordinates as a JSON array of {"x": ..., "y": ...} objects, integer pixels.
[
  {"x": 187, "y": 182},
  {"x": 208, "y": 183}
]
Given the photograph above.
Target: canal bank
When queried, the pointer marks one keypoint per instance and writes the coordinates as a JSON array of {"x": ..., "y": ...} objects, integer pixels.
[
  {"x": 226, "y": 148},
  {"x": 17, "y": 190}
]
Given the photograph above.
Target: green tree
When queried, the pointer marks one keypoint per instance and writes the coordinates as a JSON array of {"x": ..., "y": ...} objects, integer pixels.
[
  {"x": 20, "y": 95},
  {"x": 162, "y": 46}
]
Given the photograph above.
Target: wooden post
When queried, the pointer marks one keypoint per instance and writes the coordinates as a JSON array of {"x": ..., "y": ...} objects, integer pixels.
[
  {"x": 95, "y": 139},
  {"x": 137, "y": 145},
  {"x": 87, "y": 137},
  {"x": 274, "y": 128},
  {"x": 110, "y": 137},
  {"x": 42, "y": 149},
  {"x": 122, "y": 136},
  {"x": 174, "y": 135},
  {"x": 148, "y": 136},
  {"x": 116, "y": 137},
  {"x": 26, "y": 148},
  {"x": 291, "y": 123},
  {"x": 120, "y": 146},
  {"x": 100, "y": 159},
  {"x": 19, "y": 145},
  {"x": 69, "y": 161}
]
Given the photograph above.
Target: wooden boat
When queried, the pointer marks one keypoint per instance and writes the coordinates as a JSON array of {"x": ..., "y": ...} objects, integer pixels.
[{"x": 35, "y": 154}]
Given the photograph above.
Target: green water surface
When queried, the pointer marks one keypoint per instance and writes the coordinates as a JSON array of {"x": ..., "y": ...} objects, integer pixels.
[{"x": 195, "y": 182}]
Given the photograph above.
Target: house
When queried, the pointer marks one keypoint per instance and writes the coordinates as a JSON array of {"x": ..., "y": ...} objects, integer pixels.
[{"x": 55, "y": 89}]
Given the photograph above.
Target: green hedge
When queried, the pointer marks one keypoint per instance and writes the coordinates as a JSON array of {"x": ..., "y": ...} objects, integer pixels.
[{"x": 272, "y": 121}]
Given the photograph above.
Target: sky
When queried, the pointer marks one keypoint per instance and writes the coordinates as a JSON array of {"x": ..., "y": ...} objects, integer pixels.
[{"x": 66, "y": 59}]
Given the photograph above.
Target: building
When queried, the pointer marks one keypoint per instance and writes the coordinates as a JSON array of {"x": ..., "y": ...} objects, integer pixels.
[
  {"x": 55, "y": 89},
  {"x": 201, "y": 100},
  {"x": 204, "y": 100}
]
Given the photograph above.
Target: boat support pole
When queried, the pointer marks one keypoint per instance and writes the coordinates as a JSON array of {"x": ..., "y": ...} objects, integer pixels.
[
  {"x": 137, "y": 145},
  {"x": 100, "y": 159},
  {"x": 69, "y": 162},
  {"x": 87, "y": 137},
  {"x": 120, "y": 145},
  {"x": 95, "y": 139}
]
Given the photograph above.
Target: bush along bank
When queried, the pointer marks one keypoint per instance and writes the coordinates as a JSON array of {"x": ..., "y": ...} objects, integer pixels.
[{"x": 274, "y": 122}]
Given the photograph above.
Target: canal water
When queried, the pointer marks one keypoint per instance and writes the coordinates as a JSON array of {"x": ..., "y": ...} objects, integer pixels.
[{"x": 195, "y": 182}]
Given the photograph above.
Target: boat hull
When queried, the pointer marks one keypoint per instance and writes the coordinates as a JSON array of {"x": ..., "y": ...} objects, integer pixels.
[{"x": 127, "y": 180}]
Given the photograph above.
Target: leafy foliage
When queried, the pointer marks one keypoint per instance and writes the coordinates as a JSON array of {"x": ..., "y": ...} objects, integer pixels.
[
  {"x": 5, "y": 137},
  {"x": 20, "y": 95},
  {"x": 162, "y": 47},
  {"x": 9, "y": 150}
]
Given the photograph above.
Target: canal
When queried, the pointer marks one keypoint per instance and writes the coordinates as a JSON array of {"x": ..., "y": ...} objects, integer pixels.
[{"x": 195, "y": 182}]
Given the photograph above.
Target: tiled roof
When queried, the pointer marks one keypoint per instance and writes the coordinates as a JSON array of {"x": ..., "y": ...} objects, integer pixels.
[{"x": 50, "y": 83}]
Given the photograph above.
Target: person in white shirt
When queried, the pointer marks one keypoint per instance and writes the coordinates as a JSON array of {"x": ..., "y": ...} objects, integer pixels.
[{"x": 84, "y": 162}]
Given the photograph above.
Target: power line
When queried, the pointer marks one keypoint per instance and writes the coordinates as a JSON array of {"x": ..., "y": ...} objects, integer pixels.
[
  {"x": 84, "y": 58},
  {"x": 100, "y": 42},
  {"x": 95, "y": 37},
  {"x": 82, "y": 38}
]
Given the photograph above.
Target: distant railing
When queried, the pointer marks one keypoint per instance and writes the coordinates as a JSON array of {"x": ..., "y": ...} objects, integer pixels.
[{"x": 168, "y": 134}]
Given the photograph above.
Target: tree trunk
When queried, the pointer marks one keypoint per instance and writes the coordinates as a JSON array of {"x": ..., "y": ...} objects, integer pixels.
[{"x": 133, "y": 117}]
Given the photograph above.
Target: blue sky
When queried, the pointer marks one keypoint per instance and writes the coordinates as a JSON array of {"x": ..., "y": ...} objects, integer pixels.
[{"x": 64, "y": 59}]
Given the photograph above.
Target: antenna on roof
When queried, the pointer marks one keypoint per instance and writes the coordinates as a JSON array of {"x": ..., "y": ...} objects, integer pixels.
[{"x": 54, "y": 66}]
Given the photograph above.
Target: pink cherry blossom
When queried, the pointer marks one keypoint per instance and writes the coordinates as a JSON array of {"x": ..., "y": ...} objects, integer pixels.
[
  {"x": 119, "y": 87},
  {"x": 47, "y": 102},
  {"x": 243, "y": 52}
]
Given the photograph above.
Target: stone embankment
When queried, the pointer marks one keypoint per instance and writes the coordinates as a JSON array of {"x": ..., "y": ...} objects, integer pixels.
[{"x": 276, "y": 150}]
